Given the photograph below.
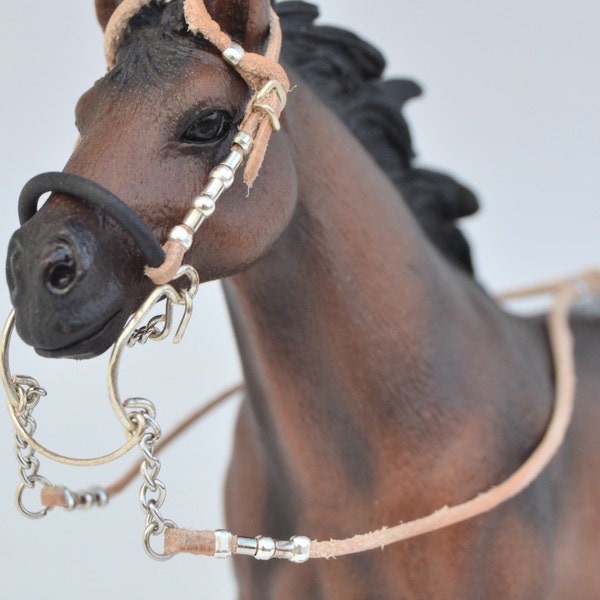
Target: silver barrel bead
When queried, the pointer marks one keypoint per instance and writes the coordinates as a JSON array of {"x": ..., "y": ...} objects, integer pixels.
[{"x": 296, "y": 549}]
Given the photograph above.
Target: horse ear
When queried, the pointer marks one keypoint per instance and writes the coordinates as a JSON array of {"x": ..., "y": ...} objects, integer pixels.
[
  {"x": 104, "y": 11},
  {"x": 246, "y": 21}
]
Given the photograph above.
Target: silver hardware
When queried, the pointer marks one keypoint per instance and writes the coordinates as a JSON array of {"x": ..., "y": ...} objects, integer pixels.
[
  {"x": 301, "y": 549},
  {"x": 223, "y": 543},
  {"x": 223, "y": 173},
  {"x": 266, "y": 548},
  {"x": 149, "y": 532},
  {"x": 213, "y": 189},
  {"x": 296, "y": 549},
  {"x": 244, "y": 141},
  {"x": 194, "y": 219},
  {"x": 27, "y": 394},
  {"x": 152, "y": 491},
  {"x": 182, "y": 235},
  {"x": 101, "y": 496},
  {"x": 86, "y": 499},
  {"x": 234, "y": 54},
  {"x": 246, "y": 546},
  {"x": 260, "y": 104},
  {"x": 234, "y": 160},
  {"x": 70, "y": 499},
  {"x": 150, "y": 331},
  {"x": 205, "y": 205},
  {"x": 19, "y": 497},
  {"x": 284, "y": 549}
]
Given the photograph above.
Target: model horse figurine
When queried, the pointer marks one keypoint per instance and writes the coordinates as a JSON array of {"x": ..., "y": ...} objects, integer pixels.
[{"x": 382, "y": 382}]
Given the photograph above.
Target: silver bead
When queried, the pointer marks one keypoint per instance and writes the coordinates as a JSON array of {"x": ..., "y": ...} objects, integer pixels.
[
  {"x": 244, "y": 141},
  {"x": 223, "y": 173},
  {"x": 266, "y": 548},
  {"x": 86, "y": 500},
  {"x": 182, "y": 235},
  {"x": 194, "y": 219},
  {"x": 100, "y": 497},
  {"x": 301, "y": 549},
  {"x": 205, "y": 205},
  {"x": 223, "y": 543},
  {"x": 234, "y": 54},
  {"x": 71, "y": 499},
  {"x": 234, "y": 160}
]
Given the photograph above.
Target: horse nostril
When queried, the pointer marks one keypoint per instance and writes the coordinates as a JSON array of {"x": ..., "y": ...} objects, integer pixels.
[
  {"x": 13, "y": 269},
  {"x": 62, "y": 271}
]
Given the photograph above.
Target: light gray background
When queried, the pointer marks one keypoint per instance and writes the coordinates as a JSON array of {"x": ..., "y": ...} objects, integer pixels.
[{"x": 511, "y": 106}]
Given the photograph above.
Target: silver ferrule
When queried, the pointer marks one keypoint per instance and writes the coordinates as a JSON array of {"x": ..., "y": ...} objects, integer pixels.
[
  {"x": 234, "y": 160},
  {"x": 223, "y": 173},
  {"x": 244, "y": 141},
  {"x": 284, "y": 549},
  {"x": 194, "y": 219},
  {"x": 266, "y": 548},
  {"x": 246, "y": 546},
  {"x": 296, "y": 550},
  {"x": 213, "y": 189},
  {"x": 234, "y": 54},
  {"x": 223, "y": 543},
  {"x": 182, "y": 235}
]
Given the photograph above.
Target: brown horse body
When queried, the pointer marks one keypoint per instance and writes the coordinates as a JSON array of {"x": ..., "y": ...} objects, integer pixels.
[
  {"x": 389, "y": 385},
  {"x": 382, "y": 382}
]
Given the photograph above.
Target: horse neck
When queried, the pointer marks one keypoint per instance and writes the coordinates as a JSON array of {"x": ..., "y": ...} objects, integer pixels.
[{"x": 352, "y": 325}]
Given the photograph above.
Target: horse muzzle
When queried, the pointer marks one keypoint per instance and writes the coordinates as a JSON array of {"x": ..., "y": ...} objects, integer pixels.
[{"x": 69, "y": 271}]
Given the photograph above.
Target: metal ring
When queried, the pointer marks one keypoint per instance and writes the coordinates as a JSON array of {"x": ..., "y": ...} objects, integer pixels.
[
  {"x": 19, "y": 498},
  {"x": 172, "y": 296},
  {"x": 134, "y": 430},
  {"x": 149, "y": 532},
  {"x": 134, "y": 422}
]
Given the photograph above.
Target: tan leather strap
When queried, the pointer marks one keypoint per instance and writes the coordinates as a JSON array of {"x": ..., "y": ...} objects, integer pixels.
[
  {"x": 561, "y": 342},
  {"x": 258, "y": 71},
  {"x": 565, "y": 292}
]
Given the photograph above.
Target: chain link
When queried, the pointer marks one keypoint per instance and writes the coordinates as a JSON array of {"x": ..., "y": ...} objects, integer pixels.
[
  {"x": 150, "y": 331},
  {"x": 29, "y": 394},
  {"x": 152, "y": 491}
]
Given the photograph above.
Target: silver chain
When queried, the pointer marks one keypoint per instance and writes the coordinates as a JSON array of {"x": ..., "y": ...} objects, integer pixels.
[
  {"x": 29, "y": 393},
  {"x": 147, "y": 332},
  {"x": 152, "y": 491}
]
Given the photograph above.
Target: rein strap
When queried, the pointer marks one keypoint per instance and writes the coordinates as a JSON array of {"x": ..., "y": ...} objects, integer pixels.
[
  {"x": 565, "y": 293},
  {"x": 221, "y": 543}
]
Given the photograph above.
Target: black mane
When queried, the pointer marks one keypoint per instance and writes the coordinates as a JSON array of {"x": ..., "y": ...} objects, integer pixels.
[{"x": 346, "y": 73}]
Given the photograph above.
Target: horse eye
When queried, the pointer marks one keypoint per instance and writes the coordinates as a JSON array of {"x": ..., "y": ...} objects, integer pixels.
[{"x": 208, "y": 127}]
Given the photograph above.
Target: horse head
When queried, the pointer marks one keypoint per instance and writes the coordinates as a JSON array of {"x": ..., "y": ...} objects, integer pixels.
[{"x": 150, "y": 130}]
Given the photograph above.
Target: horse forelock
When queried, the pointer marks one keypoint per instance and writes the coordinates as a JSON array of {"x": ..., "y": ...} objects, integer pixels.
[{"x": 156, "y": 45}]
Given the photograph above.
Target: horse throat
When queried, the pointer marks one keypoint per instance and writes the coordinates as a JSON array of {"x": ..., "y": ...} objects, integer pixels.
[{"x": 349, "y": 331}]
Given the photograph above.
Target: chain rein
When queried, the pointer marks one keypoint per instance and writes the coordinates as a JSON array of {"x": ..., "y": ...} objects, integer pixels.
[{"x": 29, "y": 393}]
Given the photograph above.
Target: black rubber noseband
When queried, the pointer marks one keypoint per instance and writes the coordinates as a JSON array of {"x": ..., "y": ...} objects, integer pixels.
[{"x": 94, "y": 194}]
